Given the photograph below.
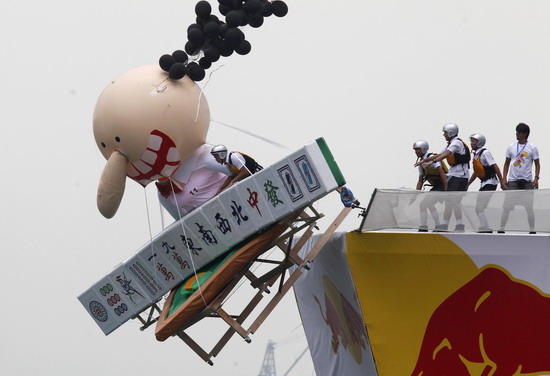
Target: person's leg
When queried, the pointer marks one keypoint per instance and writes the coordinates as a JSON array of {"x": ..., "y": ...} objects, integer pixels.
[
  {"x": 481, "y": 204},
  {"x": 529, "y": 208},
  {"x": 507, "y": 206},
  {"x": 459, "y": 185}
]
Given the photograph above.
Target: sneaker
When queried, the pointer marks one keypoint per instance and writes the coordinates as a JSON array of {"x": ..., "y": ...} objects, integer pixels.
[
  {"x": 500, "y": 232},
  {"x": 532, "y": 232},
  {"x": 459, "y": 228},
  {"x": 441, "y": 228},
  {"x": 484, "y": 231},
  {"x": 423, "y": 229}
]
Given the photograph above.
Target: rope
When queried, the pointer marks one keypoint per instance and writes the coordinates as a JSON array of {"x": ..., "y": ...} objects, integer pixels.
[
  {"x": 186, "y": 245},
  {"x": 202, "y": 91},
  {"x": 271, "y": 142},
  {"x": 153, "y": 254}
]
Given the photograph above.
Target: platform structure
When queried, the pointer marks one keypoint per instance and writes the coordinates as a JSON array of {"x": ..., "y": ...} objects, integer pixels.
[
  {"x": 521, "y": 211},
  {"x": 276, "y": 282}
]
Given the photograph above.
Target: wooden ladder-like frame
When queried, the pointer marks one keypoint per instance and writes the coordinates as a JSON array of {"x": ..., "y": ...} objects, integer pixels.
[{"x": 263, "y": 284}]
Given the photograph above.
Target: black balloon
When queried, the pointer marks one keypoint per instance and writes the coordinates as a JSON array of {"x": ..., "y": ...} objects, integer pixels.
[
  {"x": 203, "y": 9},
  {"x": 196, "y": 36},
  {"x": 205, "y": 63},
  {"x": 233, "y": 18},
  {"x": 191, "y": 48},
  {"x": 195, "y": 71},
  {"x": 194, "y": 26},
  {"x": 256, "y": 21},
  {"x": 180, "y": 56},
  {"x": 280, "y": 9},
  {"x": 223, "y": 29},
  {"x": 223, "y": 9},
  {"x": 226, "y": 3},
  {"x": 177, "y": 71},
  {"x": 166, "y": 61},
  {"x": 236, "y": 4},
  {"x": 211, "y": 29},
  {"x": 226, "y": 50},
  {"x": 244, "y": 17},
  {"x": 233, "y": 36},
  {"x": 243, "y": 47},
  {"x": 253, "y": 6},
  {"x": 212, "y": 54}
]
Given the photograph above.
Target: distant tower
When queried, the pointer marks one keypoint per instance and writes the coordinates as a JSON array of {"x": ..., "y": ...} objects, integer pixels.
[{"x": 268, "y": 366}]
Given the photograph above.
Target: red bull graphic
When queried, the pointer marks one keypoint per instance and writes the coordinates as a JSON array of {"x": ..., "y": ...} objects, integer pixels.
[
  {"x": 494, "y": 325},
  {"x": 346, "y": 324}
]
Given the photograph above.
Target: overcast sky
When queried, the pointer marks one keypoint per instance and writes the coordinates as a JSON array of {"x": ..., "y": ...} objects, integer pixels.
[{"x": 371, "y": 77}]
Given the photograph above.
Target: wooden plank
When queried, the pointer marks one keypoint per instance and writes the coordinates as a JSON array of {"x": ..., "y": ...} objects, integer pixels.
[
  {"x": 195, "y": 347},
  {"x": 298, "y": 272}
]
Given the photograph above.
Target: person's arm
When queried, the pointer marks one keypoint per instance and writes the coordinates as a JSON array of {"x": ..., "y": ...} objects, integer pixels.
[
  {"x": 503, "y": 184},
  {"x": 243, "y": 173},
  {"x": 472, "y": 178},
  {"x": 225, "y": 184},
  {"x": 419, "y": 182},
  {"x": 442, "y": 176},
  {"x": 435, "y": 158},
  {"x": 537, "y": 172},
  {"x": 505, "y": 172}
]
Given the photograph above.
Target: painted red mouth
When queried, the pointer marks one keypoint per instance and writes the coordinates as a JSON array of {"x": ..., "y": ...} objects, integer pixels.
[{"x": 160, "y": 159}]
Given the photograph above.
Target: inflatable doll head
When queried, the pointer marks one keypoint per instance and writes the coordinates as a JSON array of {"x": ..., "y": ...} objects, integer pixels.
[{"x": 146, "y": 125}]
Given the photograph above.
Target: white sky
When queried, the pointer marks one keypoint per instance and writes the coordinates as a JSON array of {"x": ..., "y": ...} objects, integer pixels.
[{"x": 371, "y": 77}]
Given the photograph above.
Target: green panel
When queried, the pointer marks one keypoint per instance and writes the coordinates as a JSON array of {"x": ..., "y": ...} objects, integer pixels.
[
  {"x": 203, "y": 274},
  {"x": 338, "y": 176}
]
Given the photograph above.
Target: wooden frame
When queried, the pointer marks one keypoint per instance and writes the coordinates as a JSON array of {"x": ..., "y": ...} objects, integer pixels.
[{"x": 261, "y": 283}]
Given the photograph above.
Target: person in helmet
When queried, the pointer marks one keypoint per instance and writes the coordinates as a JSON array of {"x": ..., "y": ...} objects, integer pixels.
[
  {"x": 457, "y": 154},
  {"x": 435, "y": 176},
  {"x": 518, "y": 167},
  {"x": 236, "y": 165},
  {"x": 488, "y": 172}
]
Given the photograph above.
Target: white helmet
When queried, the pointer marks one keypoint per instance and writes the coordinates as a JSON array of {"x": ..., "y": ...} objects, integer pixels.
[
  {"x": 480, "y": 139},
  {"x": 422, "y": 145},
  {"x": 220, "y": 150},
  {"x": 451, "y": 129}
]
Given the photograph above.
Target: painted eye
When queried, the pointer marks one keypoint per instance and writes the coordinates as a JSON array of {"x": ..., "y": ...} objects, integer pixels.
[
  {"x": 103, "y": 144},
  {"x": 117, "y": 139}
]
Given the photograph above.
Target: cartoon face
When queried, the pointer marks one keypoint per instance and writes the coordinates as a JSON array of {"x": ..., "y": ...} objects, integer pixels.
[{"x": 150, "y": 124}]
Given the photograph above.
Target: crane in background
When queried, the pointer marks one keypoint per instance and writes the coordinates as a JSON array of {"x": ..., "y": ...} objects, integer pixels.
[{"x": 268, "y": 364}]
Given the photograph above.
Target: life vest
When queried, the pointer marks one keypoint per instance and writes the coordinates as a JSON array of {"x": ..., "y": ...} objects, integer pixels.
[
  {"x": 455, "y": 159},
  {"x": 483, "y": 172},
  {"x": 432, "y": 175},
  {"x": 250, "y": 163}
]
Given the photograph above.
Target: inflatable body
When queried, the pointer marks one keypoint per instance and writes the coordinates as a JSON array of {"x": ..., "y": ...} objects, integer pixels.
[
  {"x": 193, "y": 183},
  {"x": 149, "y": 127}
]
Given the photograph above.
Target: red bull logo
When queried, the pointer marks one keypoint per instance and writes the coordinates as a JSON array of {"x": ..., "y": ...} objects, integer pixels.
[
  {"x": 494, "y": 325},
  {"x": 346, "y": 324}
]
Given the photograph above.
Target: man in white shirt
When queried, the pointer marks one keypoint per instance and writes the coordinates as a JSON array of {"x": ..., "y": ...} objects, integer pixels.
[
  {"x": 458, "y": 158},
  {"x": 237, "y": 166},
  {"x": 518, "y": 166}
]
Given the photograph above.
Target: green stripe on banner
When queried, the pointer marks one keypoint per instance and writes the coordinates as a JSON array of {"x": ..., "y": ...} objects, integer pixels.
[{"x": 338, "y": 176}]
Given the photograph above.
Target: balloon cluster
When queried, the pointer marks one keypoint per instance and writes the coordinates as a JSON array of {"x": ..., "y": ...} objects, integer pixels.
[{"x": 210, "y": 38}]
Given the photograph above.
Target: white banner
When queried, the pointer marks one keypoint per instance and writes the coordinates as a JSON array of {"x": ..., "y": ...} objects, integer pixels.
[{"x": 330, "y": 313}]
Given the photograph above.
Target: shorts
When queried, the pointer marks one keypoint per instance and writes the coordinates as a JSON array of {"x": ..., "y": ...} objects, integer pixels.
[
  {"x": 437, "y": 188},
  {"x": 519, "y": 184},
  {"x": 489, "y": 187},
  {"x": 457, "y": 184}
]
